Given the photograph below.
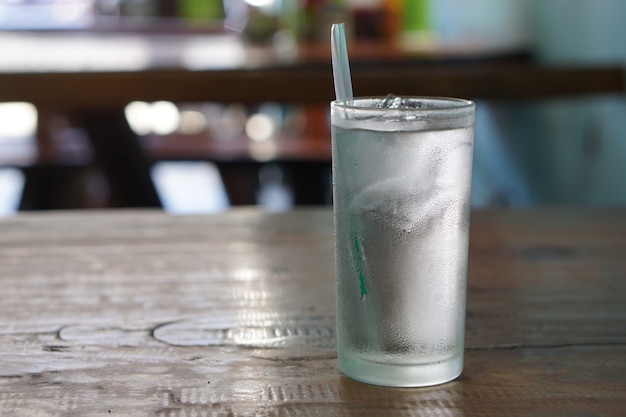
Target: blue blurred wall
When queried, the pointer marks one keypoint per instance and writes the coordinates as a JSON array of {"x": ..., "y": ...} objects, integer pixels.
[
  {"x": 585, "y": 139},
  {"x": 555, "y": 151}
]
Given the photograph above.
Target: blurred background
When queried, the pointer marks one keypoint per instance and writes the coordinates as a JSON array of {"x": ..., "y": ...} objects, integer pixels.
[{"x": 206, "y": 156}]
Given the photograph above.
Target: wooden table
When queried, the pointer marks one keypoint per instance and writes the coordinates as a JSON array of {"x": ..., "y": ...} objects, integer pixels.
[{"x": 140, "y": 313}]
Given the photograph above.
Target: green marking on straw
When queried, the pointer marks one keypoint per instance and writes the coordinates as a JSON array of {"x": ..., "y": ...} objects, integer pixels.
[{"x": 360, "y": 263}]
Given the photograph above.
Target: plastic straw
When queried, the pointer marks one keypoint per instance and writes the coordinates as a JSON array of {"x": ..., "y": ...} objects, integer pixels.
[{"x": 341, "y": 65}]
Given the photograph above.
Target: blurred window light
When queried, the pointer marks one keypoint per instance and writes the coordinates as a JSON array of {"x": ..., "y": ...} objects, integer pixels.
[
  {"x": 11, "y": 187},
  {"x": 67, "y": 13},
  {"x": 50, "y": 52},
  {"x": 165, "y": 117},
  {"x": 273, "y": 194},
  {"x": 190, "y": 187},
  {"x": 160, "y": 117},
  {"x": 214, "y": 52},
  {"x": 138, "y": 115},
  {"x": 260, "y": 127},
  {"x": 263, "y": 151},
  {"x": 260, "y": 3},
  {"x": 51, "y": 14},
  {"x": 18, "y": 119},
  {"x": 192, "y": 122}
]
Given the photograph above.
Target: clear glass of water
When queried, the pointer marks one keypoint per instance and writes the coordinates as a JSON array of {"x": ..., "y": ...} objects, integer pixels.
[{"x": 402, "y": 171}]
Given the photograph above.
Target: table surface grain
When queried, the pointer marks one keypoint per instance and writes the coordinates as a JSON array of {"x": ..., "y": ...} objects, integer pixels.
[{"x": 141, "y": 313}]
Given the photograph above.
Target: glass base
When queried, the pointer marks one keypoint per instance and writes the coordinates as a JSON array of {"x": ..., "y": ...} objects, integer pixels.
[{"x": 390, "y": 375}]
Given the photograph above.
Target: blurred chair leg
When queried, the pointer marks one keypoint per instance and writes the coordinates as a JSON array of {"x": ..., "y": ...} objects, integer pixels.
[
  {"x": 311, "y": 182},
  {"x": 52, "y": 187},
  {"x": 121, "y": 158},
  {"x": 241, "y": 181}
]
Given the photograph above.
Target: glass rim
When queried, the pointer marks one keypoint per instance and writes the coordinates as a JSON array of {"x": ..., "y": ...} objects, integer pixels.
[{"x": 455, "y": 104}]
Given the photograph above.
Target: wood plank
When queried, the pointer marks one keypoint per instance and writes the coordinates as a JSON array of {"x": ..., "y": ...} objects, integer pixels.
[{"x": 140, "y": 313}]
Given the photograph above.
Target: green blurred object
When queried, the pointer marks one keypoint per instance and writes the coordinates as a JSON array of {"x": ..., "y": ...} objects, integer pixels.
[
  {"x": 260, "y": 26},
  {"x": 416, "y": 16},
  {"x": 416, "y": 34},
  {"x": 201, "y": 9}
]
